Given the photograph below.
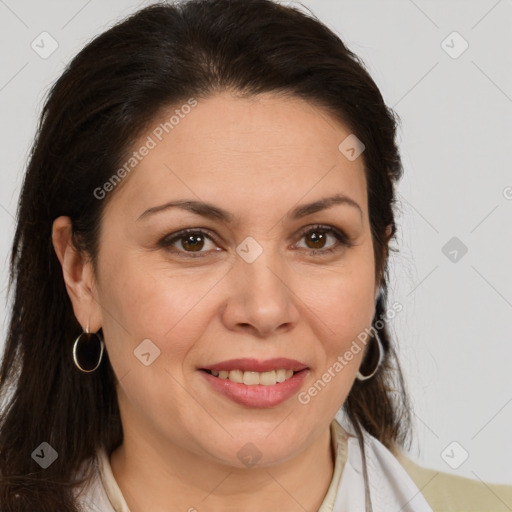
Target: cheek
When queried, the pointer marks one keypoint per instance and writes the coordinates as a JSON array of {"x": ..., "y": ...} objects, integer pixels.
[
  {"x": 342, "y": 306},
  {"x": 342, "y": 310},
  {"x": 155, "y": 303},
  {"x": 161, "y": 312},
  {"x": 342, "y": 298}
]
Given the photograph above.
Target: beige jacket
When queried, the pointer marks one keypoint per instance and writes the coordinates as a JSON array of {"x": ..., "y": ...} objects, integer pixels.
[{"x": 450, "y": 493}]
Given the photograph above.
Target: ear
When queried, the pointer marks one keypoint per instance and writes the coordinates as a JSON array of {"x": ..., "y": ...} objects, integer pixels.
[
  {"x": 386, "y": 252},
  {"x": 78, "y": 275}
]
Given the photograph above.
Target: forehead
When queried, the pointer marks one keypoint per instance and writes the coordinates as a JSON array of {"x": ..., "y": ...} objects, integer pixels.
[{"x": 263, "y": 148}]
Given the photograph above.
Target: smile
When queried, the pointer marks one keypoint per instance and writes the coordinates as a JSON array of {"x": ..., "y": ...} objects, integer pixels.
[{"x": 255, "y": 393}]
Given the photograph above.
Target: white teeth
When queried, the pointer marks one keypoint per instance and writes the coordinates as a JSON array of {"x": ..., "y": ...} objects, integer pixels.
[
  {"x": 250, "y": 378},
  {"x": 268, "y": 378},
  {"x": 280, "y": 375},
  {"x": 236, "y": 376},
  {"x": 253, "y": 378}
]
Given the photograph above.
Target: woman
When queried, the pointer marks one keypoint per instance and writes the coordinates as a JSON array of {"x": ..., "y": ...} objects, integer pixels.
[{"x": 199, "y": 273}]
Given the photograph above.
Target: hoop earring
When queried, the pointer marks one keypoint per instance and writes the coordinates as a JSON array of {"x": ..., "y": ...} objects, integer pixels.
[
  {"x": 86, "y": 349},
  {"x": 360, "y": 376}
]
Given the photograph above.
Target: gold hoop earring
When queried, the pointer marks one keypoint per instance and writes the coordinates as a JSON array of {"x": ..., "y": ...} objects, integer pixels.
[
  {"x": 360, "y": 376},
  {"x": 88, "y": 351}
]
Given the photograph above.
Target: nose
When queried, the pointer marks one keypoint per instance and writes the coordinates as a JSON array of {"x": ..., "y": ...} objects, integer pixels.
[{"x": 261, "y": 300}]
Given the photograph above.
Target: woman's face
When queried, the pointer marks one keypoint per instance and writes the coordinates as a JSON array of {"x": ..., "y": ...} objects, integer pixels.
[{"x": 256, "y": 282}]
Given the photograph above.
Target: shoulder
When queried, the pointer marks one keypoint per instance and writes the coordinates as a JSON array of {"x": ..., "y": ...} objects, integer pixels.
[{"x": 446, "y": 492}]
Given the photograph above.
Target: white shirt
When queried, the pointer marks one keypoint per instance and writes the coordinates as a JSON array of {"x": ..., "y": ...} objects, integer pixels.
[{"x": 391, "y": 488}]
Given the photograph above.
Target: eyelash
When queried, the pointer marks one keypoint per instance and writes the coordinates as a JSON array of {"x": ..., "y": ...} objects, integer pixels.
[{"x": 342, "y": 238}]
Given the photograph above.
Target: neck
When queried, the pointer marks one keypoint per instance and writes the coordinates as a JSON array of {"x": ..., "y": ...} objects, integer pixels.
[{"x": 164, "y": 477}]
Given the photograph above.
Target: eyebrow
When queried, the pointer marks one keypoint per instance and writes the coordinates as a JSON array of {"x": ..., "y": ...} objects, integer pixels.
[{"x": 211, "y": 211}]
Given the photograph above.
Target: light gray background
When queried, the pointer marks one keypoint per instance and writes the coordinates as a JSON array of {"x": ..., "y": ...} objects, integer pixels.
[{"x": 454, "y": 331}]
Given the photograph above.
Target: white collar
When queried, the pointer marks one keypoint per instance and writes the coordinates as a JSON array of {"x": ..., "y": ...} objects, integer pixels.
[{"x": 391, "y": 488}]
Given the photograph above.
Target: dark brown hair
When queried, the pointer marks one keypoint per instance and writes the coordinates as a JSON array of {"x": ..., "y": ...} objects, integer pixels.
[{"x": 102, "y": 103}]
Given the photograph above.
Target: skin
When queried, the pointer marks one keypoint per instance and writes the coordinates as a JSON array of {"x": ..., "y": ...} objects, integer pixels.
[{"x": 258, "y": 158}]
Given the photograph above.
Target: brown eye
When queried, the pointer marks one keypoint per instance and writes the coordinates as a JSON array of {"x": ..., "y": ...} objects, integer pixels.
[
  {"x": 317, "y": 238},
  {"x": 189, "y": 243},
  {"x": 192, "y": 242}
]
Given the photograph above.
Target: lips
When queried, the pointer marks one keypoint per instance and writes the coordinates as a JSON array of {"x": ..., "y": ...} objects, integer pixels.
[
  {"x": 257, "y": 396},
  {"x": 254, "y": 365},
  {"x": 275, "y": 389}
]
